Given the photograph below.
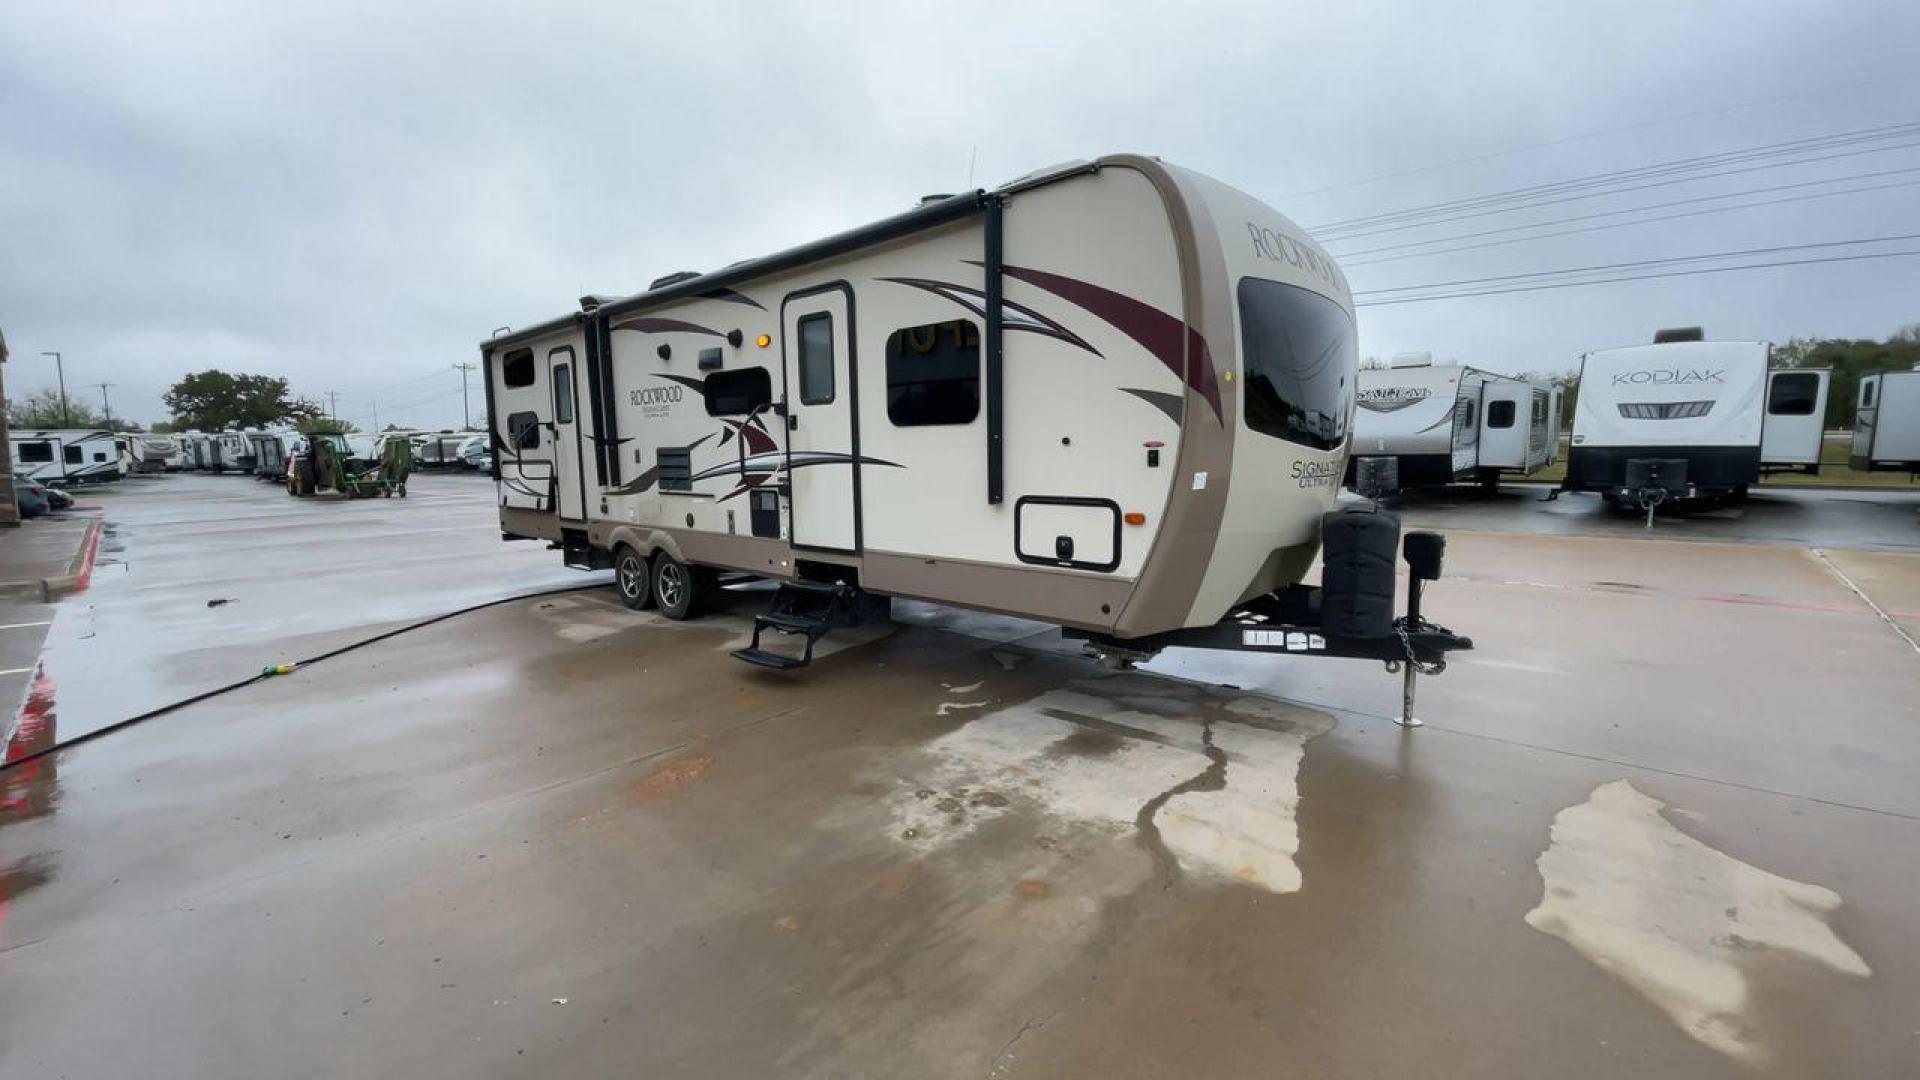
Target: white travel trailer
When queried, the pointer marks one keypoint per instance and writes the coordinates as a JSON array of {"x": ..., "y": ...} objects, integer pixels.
[
  {"x": 270, "y": 451},
  {"x": 62, "y": 458},
  {"x": 1112, "y": 395},
  {"x": 439, "y": 449},
  {"x": 1886, "y": 428},
  {"x": 1421, "y": 424},
  {"x": 155, "y": 453},
  {"x": 1690, "y": 418},
  {"x": 232, "y": 452}
]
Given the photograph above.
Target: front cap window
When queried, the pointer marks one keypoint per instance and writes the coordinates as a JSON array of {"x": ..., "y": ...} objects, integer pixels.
[{"x": 1300, "y": 357}]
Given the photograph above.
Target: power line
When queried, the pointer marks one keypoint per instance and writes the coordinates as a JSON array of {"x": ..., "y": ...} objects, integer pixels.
[
  {"x": 1537, "y": 203},
  {"x": 1617, "y": 176},
  {"x": 1645, "y": 262},
  {"x": 1343, "y": 256},
  {"x": 1637, "y": 277},
  {"x": 1477, "y": 158}
]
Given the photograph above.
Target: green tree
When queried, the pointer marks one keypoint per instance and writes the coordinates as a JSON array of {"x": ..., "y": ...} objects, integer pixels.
[
  {"x": 40, "y": 411},
  {"x": 1850, "y": 360},
  {"x": 214, "y": 400},
  {"x": 315, "y": 424}
]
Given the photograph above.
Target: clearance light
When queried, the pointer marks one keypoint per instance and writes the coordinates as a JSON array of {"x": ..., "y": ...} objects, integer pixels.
[
  {"x": 1135, "y": 517},
  {"x": 763, "y": 340}
]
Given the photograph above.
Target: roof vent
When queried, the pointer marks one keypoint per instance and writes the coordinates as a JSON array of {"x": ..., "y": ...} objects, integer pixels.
[
  {"x": 1678, "y": 333},
  {"x": 673, "y": 279},
  {"x": 1413, "y": 359}
]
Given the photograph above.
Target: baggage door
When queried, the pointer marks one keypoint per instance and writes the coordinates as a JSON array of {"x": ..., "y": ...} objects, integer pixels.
[
  {"x": 823, "y": 432},
  {"x": 1791, "y": 431},
  {"x": 569, "y": 480}
]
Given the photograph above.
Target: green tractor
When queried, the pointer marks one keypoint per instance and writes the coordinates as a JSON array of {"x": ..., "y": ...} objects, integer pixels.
[{"x": 328, "y": 467}]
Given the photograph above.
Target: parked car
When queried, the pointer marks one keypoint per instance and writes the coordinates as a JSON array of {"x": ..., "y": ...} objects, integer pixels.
[
  {"x": 472, "y": 450},
  {"x": 56, "y": 498},
  {"x": 31, "y": 497}
]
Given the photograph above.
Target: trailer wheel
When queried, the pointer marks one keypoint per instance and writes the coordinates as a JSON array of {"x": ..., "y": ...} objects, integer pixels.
[
  {"x": 633, "y": 577},
  {"x": 678, "y": 589}
]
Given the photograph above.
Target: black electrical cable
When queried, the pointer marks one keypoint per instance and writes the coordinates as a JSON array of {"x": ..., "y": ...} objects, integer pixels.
[
  {"x": 1632, "y": 277},
  {"x": 277, "y": 670},
  {"x": 1345, "y": 256},
  {"x": 1613, "y": 176}
]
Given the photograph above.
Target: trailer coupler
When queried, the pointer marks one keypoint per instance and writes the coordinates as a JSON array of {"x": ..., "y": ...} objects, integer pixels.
[{"x": 1289, "y": 622}]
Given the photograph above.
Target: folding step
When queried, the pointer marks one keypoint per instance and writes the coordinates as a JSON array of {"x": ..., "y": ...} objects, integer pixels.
[
  {"x": 793, "y": 624},
  {"x": 776, "y": 661}
]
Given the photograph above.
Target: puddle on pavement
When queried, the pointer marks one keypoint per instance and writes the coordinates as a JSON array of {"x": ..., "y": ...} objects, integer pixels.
[
  {"x": 1674, "y": 918},
  {"x": 1207, "y": 776}
]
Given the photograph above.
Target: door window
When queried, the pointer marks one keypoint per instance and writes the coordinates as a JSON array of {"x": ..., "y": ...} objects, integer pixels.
[
  {"x": 563, "y": 394},
  {"x": 816, "y": 359}
]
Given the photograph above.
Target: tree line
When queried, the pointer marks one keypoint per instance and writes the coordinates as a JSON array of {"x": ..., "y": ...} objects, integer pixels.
[{"x": 210, "y": 400}]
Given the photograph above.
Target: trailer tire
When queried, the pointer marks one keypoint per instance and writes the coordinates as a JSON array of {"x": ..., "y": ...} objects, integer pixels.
[
  {"x": 679, "y": 590},
  {"x": 633, "y": 578}
]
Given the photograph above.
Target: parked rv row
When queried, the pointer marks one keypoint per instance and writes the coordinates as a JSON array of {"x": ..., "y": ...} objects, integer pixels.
[
  {"x": 1682, "y": 418},
  {"x": 269, "y": 454}
]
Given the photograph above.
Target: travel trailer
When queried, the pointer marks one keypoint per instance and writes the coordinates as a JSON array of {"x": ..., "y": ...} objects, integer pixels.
[
  {"x": 1112, "y": 395},
  {"x": 232, "y": 452},
  {"x": 270, "y": 451},
  {"x": 1886, "y": 428},
  {"x": 1421, "y": 424},
  {"x": 195, "y": 450},
  {"x": 65, "y": 457},
  {"x": 155, "y": 453},
  {"x": 1691, "y": 418},
  {"x": 439, "y": 449}
]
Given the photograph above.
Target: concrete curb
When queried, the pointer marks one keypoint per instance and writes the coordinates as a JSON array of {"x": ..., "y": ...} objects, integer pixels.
[{"x": 79, "y": 571}]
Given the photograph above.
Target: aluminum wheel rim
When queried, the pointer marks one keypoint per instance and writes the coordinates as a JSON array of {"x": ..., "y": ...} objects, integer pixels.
[
  {"x": 630, "y": 576},
  {"x": 670, "y": 584}
]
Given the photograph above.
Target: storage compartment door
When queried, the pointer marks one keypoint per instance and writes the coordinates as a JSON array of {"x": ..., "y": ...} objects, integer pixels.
[
  {"x": 1077, "y": 533},
  {"x": 1795, "y": 418}
]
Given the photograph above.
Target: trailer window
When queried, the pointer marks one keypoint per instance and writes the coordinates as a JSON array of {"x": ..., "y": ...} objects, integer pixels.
[
  {"x": 73, "y": 454},
  {"x": 517, "y": 369},
  {"x": 738, "y": 392},
  {"x": 816, "y": 359},
  {"x": 1298, "y": 351},
  {"x": 1793, "y": 394},
  {"x": 933, "y": 374},
  {"x": 1866, "y": 395},
  {"x": 1499, "y": 414},
  {"x": 35, "y": 452},
  {"x": 563, "y": 394},
  {"x": 1469, "y": 411}
]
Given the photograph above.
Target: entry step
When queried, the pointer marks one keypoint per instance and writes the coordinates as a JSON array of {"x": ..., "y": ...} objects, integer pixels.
[{"x": 776, "y": 661}]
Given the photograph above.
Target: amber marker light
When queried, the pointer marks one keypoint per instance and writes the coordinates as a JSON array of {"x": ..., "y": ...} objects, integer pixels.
[
  {"x": 1135, "y": 517},
  {"x": 763, "y": 340}
]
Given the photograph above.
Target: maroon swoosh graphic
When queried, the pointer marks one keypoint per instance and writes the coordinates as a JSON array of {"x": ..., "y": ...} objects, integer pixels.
[
  {"x": 665, "y": 326},
  {"x": 1177, "y": 345}
]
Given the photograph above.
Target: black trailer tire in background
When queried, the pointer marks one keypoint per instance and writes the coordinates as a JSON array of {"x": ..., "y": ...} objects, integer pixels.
[
  {"x": 633, "y": 578},
  {"x": 679, "y": 590}
]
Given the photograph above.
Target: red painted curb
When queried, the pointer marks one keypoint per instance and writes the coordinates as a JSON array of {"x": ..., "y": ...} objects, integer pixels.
[{"x": 85, "y": 573}]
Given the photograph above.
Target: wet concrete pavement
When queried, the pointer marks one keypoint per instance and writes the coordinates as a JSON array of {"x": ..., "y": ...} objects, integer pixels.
[
  {"x": 1887, "y": 519},
  {"x": 559, "y": 838}
]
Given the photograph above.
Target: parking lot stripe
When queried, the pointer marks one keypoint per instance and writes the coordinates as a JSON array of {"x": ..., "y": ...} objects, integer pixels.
[{"x": 1868, "y": 600}]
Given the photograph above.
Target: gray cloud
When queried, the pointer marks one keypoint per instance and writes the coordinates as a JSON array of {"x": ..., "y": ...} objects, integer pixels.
[{"x": 352, "y": 196}]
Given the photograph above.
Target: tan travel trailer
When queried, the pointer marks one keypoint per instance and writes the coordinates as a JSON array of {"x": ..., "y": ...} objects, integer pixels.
[{"x": 1113, "y": 396}]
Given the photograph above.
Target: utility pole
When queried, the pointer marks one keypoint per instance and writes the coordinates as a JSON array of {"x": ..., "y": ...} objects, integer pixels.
[
  {"x": 61, "y": 371},
  {"x": 108, "y": 405},
  {"x": 333, "y": 404},
  {"x": 375, "y": 406},
  {"x": 466, "y": 417}
]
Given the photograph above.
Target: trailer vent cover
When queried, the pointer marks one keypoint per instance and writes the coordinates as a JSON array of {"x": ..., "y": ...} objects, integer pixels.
[{"x": 1665, "y": 410}]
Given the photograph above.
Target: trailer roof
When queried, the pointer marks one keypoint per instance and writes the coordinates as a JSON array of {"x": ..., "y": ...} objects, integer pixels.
[{"x": 925, "y": 216}]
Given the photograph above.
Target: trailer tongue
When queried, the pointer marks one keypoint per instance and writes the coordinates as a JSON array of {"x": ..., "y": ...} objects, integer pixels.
[{"x": 1349, "y": 614}]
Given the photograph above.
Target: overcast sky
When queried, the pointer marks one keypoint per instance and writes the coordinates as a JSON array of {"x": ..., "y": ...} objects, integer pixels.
[{"x": 352, "y": 196}]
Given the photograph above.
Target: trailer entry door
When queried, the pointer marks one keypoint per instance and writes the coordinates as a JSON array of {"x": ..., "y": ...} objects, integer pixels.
[
  {"x": 823, "y": 429},
  {"x": 570, "y": 481}
]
